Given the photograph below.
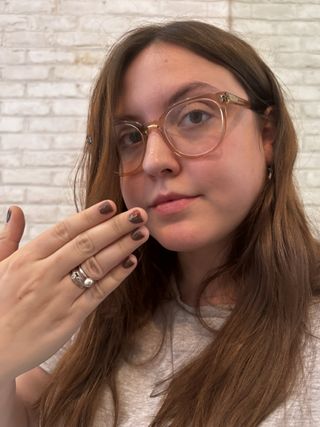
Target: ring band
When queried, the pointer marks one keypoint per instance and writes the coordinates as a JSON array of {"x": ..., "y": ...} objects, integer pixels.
[{"x": 79, "y": 278}]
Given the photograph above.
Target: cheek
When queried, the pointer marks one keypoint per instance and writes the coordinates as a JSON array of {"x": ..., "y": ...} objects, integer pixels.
[{"x": 129, "y": 192}]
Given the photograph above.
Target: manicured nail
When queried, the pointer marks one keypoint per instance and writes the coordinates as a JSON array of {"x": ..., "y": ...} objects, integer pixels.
[
  {"x": 137, "y": 235},
  {"x": 135, "y": 217},
  {"x": 8, "y": 215},
  {"x": 127, "y": 263},
  {"x": 106, "y": 208}
]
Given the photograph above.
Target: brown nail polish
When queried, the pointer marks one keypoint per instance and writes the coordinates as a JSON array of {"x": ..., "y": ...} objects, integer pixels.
[
  {"x": 127, "y": 263},
  {"x": 137, "y": 235},
  {"x": 135, "y": 217},
  {"x": 8, "y": 215},
  {"x": 106, "y": 208}
]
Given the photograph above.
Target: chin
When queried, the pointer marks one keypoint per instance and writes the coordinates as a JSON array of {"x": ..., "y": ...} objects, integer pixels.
[{"x": 176, "y": 243}]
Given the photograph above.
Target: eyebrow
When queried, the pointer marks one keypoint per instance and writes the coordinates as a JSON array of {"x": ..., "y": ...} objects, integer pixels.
[{"x": 180, "y": 94}]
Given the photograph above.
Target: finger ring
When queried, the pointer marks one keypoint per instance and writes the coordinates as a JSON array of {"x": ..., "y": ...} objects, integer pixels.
[{"x": 79, "y": 278}]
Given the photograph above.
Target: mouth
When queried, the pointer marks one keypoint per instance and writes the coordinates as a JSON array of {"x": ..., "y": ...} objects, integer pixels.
[{"x": 171, "y": 203}]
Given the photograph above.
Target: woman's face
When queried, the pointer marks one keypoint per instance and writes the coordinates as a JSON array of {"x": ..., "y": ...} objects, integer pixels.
[{"x": 197, "y": 203}]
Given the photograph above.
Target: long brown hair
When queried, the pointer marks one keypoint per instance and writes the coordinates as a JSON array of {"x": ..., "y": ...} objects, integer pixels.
[{"x": 253, "y": 363}]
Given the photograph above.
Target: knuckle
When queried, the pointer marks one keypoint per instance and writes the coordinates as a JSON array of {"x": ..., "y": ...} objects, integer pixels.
[
  {"x": 84, "y": 244},
  {"x": 92, "y": 268},
  {"x": 98, "y": 292},
  {"x": 62, "y": 231},
  {"x": 117, "y": 226},
  {"x": 87, "y": 218}
]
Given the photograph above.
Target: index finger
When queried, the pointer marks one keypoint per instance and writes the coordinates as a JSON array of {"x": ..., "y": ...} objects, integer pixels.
[{"x": 63, "y": 232}]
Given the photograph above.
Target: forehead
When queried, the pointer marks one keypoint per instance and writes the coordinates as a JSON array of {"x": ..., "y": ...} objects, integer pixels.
[{"x": 162, "y": 69}]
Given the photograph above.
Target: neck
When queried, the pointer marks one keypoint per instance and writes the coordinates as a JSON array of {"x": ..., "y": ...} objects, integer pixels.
[{"x": 194, "y": 268}]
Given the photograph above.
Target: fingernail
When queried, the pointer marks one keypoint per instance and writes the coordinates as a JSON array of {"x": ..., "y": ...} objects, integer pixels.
[
  {"x": 8, "y": 215},
  {"x": 137, "y": 235},
  {"x": 127, "y": 263},
  {"x": 135, "y": 217},
  {"x": 106, "y": 208}
]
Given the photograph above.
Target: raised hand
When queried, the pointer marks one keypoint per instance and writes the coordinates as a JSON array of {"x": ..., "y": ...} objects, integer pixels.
[{"x": 40, "y": 306}]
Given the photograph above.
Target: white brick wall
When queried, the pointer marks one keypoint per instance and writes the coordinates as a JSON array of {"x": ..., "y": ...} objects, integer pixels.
[{"x": 51, "y": 51}]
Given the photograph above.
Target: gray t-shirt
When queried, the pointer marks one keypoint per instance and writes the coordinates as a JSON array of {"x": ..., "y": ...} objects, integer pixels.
[{"x": 140, "y": 384}]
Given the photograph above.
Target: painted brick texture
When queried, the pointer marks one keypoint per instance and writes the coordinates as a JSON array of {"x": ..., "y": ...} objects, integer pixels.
[{"x": 51, "y": 51}]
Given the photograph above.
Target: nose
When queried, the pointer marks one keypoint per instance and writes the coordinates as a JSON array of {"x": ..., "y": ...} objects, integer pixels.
[{"x": 159, "y": 159}]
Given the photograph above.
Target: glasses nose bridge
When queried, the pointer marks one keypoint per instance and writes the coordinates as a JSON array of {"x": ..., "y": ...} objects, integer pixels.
[{"x": 154, "y": 126}]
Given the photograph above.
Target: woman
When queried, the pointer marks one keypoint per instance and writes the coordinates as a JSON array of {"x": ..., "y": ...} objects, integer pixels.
[{"x": 217, "y": 324}]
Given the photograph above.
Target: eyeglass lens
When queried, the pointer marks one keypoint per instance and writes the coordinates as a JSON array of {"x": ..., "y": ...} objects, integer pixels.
[{"x": 192, "y": 128}]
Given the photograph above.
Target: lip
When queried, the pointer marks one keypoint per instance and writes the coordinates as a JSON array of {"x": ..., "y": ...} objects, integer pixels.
[{"x": 171, "y": 203}]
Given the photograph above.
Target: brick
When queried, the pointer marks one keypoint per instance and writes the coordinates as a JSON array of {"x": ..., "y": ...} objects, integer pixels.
[
  {"x": 308, "y": 160},
  {"x": 46, "y": 195},
  {"x": 11, "y": 124},
  {"x": 275, "y": 11},
  {"x": 55, "y": 124},
  {"x": 12, "y": 56},
  {"x": 50, "y": 158},
  {"x": 90, "y": 57},
  {"x": 26, "y": 176},
  {"x": 79, "y": 39},
  {"x": 241, "y": 10},
  {"x": 47, "y": 56},
  {"x": 305, "y": 93},
  {"x": 43, "y": 23},
  {"x": 310, "y": 126},
  {"x": 63, "y": 178},
  {"x": 75, "y": 72},
  {"x": 186, "y": 9},
  {"x": 11, "y": 194},
  {"x": 25, "y": 107},
  {"x": 26, "y": 141},
  {"x": 51, "y": 90},
  {"x": 76, "y": 7},
  {"x": 8, "y": 89},
  {"x": 14, "y": 22},
  {"x": 310, "y": 43},
  {"x": 292, "y": 77},
  {"x": 310, "y": 196},
  {"x": 27, "y": 6},
  {"x": 40, "y": 213},
  {"x": 104, "y": 25},
  {"x": 10, "y": 159},
  {"x": 123, "y": 7},
  {"x": 309, "y": 11},
  {"x": 72, "y": 141},
  {"x": 27, "y": 39},
  {"x": 311, "y": 143},
  {"x": 259, "y": 26},
  {"x": 298, "y": 60},
  {"x": 76, "y": 107},
  {"x": 25, "y": 72},
  {"x": 312, "y": 109},
  {"x": 309, "y": 178}
]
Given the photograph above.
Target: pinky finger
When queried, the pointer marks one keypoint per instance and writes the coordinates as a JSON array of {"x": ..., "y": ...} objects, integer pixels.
[{"x": 92, "y": 297}]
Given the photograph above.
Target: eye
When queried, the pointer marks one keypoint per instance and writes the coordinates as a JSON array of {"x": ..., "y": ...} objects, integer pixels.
[
  {"x": 128, "y": 137},
  {"x": 194, "y": 114},
  {"x": 195, "y": 117}
]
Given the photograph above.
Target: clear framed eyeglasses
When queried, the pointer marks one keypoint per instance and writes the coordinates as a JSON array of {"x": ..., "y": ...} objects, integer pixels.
[{"x": 191, "y": 128}]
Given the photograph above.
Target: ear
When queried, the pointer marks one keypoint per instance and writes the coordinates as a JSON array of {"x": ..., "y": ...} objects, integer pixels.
[{"x": 268, "y": 134}]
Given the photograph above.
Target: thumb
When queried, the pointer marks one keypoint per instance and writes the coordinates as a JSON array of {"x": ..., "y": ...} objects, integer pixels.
[{"x": 11, "y": 233}]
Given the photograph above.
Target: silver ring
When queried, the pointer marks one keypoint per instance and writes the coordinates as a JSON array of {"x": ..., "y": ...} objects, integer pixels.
[{"x": 79, "y": 278}]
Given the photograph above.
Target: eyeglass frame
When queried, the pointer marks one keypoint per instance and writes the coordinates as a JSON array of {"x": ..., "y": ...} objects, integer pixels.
[{"x": 223, "y": 99}]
